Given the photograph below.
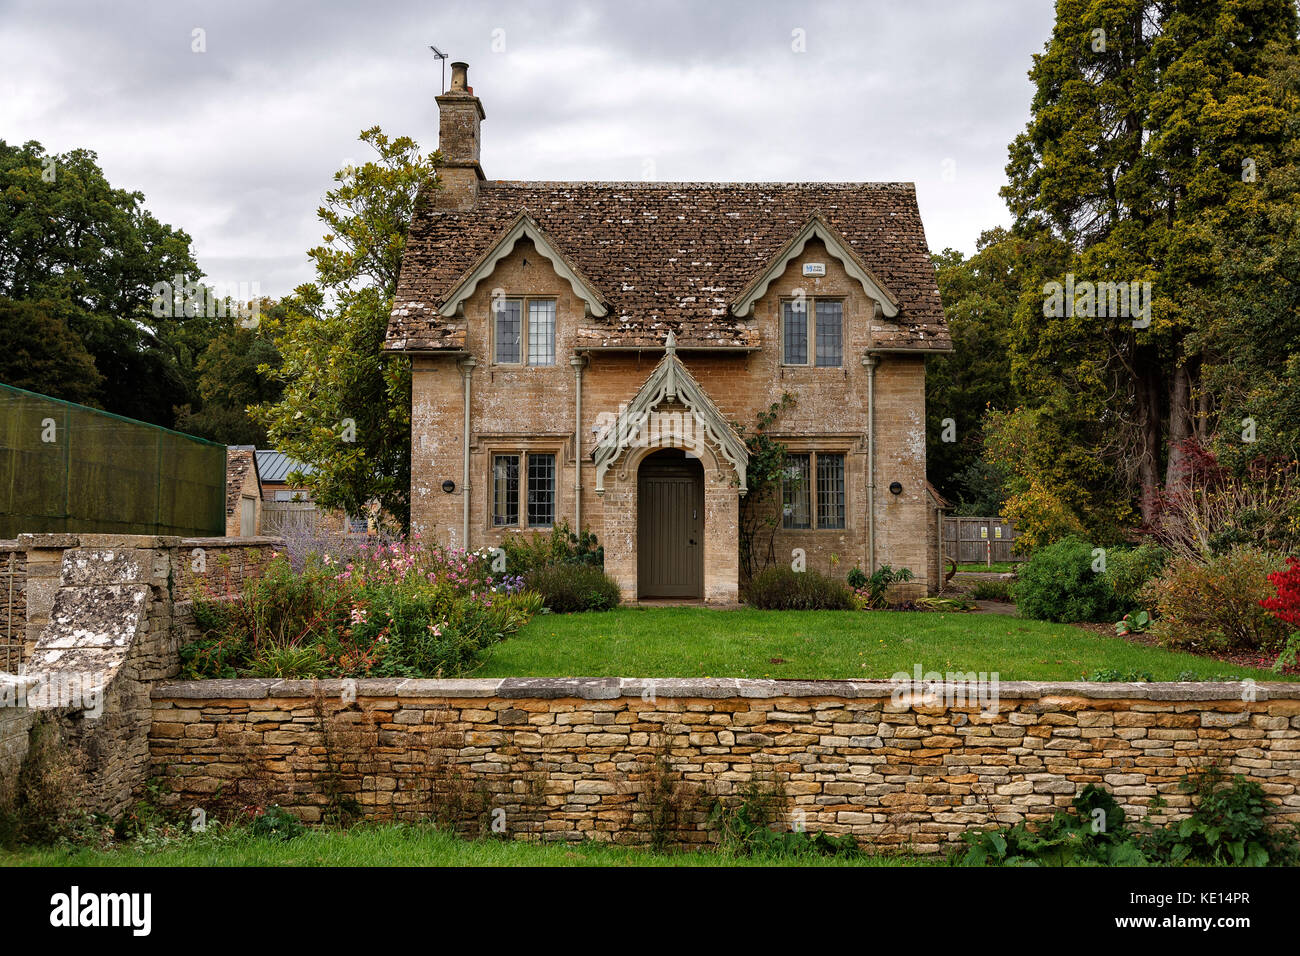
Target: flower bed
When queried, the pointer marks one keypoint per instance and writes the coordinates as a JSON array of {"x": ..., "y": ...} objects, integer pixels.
[{"x": 393, "y": 610}]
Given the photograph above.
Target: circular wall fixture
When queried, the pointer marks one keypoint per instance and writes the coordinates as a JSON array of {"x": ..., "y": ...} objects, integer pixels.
[
  {"x": 894, "y": 488},
  {"x": 449, "y": 486}
]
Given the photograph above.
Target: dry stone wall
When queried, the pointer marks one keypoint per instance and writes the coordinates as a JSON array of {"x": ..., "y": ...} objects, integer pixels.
[{"x": 896, "y": 765}]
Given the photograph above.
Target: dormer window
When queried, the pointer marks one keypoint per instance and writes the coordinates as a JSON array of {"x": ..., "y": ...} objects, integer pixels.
[
  {"x": 822, "y": 339},
  {"x": 523, "y": 331}
]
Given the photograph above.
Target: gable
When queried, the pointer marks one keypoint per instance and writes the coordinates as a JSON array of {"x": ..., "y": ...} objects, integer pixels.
[
  {"x": 669, "y": 382},
  {"x": 816, "y": 228},
  {"x": 523, "y": 227}
]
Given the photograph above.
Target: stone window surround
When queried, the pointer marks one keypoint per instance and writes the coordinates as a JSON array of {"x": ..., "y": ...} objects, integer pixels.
[
  {"x": 522, "y": 448},
  {"x": 810, "y": 312},
  {"x": 524, "y": 300},
  {"x": 811, "y": 445}
]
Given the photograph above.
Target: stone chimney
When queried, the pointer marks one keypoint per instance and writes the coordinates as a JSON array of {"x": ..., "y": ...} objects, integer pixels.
[{"x": 459, "y": 115}]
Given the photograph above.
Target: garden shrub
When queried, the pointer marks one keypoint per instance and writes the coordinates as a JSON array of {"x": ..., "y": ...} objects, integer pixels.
[
  {"x": 1058, "y": 583},
  {"x": 1095, "y": 832},
  {"x": 784, "y": 589},
  {"x": 1215, "y": 605},
  {"x": 395, "y": 610},
  {"x": 1229, "y": 827},
  {"x": 526, "y": 552},
  {"x": 565, "y": 588},
  {"x": 1129, "y": 569},
  {"x": 1285, "y": 606},
  {"x": 1214, "y": 509}
]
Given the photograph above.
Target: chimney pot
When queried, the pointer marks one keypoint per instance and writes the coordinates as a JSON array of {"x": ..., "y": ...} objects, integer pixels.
[{"x": 459, "y": 77}]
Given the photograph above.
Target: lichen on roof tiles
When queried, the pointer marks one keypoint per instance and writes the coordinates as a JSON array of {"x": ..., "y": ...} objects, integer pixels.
[{"x": 639, "y": 255}]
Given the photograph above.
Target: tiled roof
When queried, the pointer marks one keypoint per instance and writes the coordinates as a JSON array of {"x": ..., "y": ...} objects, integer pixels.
[{"x": 670, "y": 256}]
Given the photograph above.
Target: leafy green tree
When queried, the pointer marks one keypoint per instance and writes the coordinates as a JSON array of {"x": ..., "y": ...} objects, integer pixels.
[
  {"x": 41, "y": 354},
  {"x": 345, "y": 408},
  {"x": 68, "y": 236},
  {"x": 979, "y": 296},
  {"x": 1250, "y": 333},
  {"x": 1150, "y": 125},
  {"x": 230, "y": 380}
]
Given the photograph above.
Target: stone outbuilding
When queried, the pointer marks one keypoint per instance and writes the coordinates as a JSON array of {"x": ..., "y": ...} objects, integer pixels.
[
  {"x": 597, "y": 353},
  {"x": 243, "y": 492}
]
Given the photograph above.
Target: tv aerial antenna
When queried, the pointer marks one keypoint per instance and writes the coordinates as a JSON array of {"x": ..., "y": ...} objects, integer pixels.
[{"x": 442, "y": 57}]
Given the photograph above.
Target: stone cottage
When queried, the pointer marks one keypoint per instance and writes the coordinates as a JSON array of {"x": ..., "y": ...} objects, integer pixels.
[{"x": 589, "y": 352}]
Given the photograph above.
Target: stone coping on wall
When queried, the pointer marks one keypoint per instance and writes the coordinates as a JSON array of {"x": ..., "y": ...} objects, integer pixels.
[
  {"x": 66, "y": 541},
  {"x": 611, "y": 688},
  {"x": 231, "y": 542}
]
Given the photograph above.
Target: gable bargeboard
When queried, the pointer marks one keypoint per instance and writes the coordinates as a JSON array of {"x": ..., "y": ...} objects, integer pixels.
[{"x": 625, "y": 265}]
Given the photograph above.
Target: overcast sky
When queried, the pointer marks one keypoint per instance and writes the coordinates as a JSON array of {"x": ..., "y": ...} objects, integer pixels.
[{"x": 237, "y": 144}]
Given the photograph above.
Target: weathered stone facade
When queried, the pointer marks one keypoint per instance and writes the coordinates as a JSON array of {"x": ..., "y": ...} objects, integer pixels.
[
  {"x": 573, "y": 759},
  {"x": 626, "y": 266}
]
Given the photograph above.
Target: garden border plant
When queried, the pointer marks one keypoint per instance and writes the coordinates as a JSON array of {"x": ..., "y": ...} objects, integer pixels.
[
  {"x": 398, "y": 610},
  {"x": 1228, "y": 826}
]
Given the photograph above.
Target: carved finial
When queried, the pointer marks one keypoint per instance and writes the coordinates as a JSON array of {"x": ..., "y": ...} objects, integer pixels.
[{"x": 670, "y": 357}]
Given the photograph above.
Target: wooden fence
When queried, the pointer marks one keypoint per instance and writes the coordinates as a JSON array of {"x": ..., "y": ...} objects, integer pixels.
[
  {"x": 979, "y": 540},
  {"x": 287, "y": 517}
]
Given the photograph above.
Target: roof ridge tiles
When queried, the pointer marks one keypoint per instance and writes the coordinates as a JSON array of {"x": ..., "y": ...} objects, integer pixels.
[{"x": 899, "y": 185}]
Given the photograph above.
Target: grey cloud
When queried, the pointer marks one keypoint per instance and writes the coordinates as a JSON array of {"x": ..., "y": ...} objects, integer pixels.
[{"x": 237, "y": 144}]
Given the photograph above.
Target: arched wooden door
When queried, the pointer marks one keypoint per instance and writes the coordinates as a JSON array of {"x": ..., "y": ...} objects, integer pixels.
[{"x": 670, "y": 526}]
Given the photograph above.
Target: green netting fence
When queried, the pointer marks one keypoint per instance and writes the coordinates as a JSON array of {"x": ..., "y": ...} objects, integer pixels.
[{"x": 69, "y": 468}]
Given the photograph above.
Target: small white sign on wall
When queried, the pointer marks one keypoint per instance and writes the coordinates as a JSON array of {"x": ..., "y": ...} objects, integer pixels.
[{"x": 814, "y": 268}]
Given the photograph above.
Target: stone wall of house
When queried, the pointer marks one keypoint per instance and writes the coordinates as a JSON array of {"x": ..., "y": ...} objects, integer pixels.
[
  {"x": 934, "y": 546},
  {"x": 516, "y": 409},
  {"x": 904, "y": 765}
]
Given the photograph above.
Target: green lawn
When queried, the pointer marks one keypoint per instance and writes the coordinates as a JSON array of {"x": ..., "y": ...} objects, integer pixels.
[
  {"x": 380, "y": 845},
  {"x": 704, "y": 642}
]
